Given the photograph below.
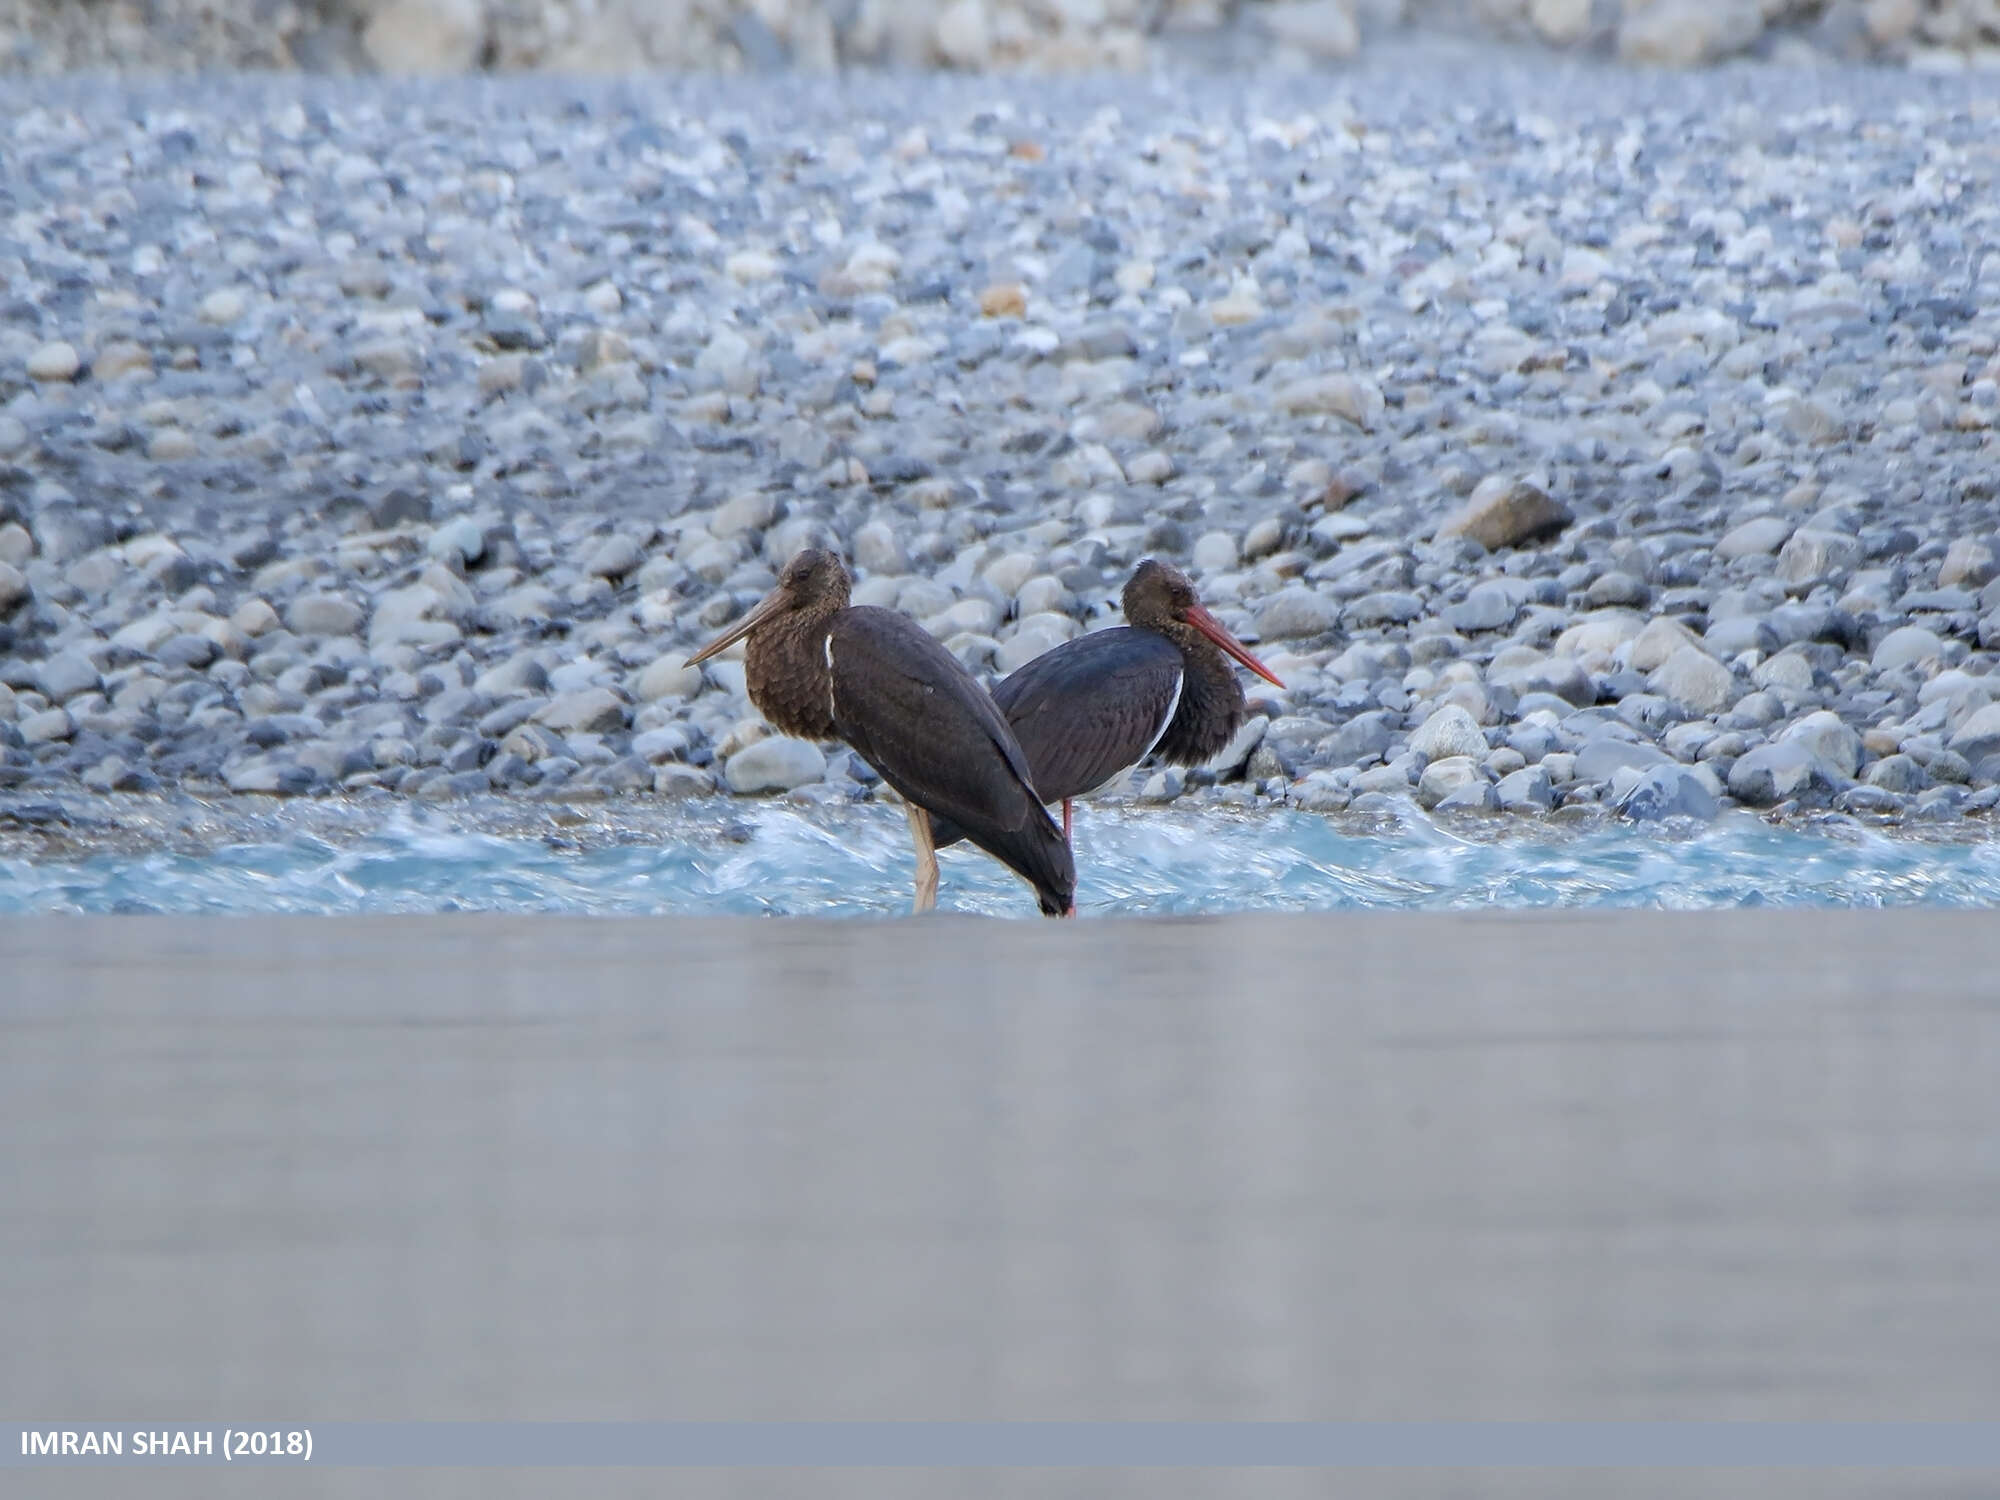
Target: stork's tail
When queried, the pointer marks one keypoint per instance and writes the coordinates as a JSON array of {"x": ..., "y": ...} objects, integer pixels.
[{"x": 1038, "y": 853}]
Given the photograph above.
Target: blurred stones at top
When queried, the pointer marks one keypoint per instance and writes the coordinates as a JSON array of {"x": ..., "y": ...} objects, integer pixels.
[{"x": 609, "y": 36}]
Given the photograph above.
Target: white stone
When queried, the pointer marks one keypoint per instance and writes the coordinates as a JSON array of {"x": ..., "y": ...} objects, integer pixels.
[
  {"x": 747, "y": 267},
  {"x": 1353, "y": 397},
  {"x": 668, "y": 677},
  {"x": 1296, "y": 612},
  {"x": 1215, "y": 552},
  {"x": 1560, "y": 22},
  {"x": 878, "y": 551},
  {"x": 1979, "y": 736},
  {"x": 1969, "y": 562},
  {"x": 1450, "y": 731},
  {"x": 775, "y": 764},
  {"x": 1758, "y": 537},
  {"x": 1907, "y": 645},
  {"x": 595, "y": 710},
  {"x": 425, "y": 36},
  {"x": 964, "y": 35},
  {"x": 1322, "y": 29},
  {"x": 1827, "y": 737},
  {"x": 1008, "y": 572},
  {"x": 1600, "y": 633},
  {"x": 222, "y": 306},
  {"x": 726, "y": 360},
  {"x": 1443, "y": 777},
  {"x": 1695, "y": 680},
  {"x": 55, "y": 361},
  {"x": 323, "y": 614},
  {"x": 1812, "y": 555},
  {"x": 1658, "y": 641},
  {"x": 751, "y": 510}
]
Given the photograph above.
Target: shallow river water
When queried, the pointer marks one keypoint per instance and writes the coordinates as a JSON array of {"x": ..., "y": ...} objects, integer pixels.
[{"x": 856, "y": 861}]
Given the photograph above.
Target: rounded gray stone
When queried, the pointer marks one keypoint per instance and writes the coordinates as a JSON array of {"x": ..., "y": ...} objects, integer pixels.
[
  {"x": 1449, "y": 731},
  {"x": 1908, "y": 645},
  {"x": 775, "y": 764},
  {"x": 596, "y": 710},
  {"x": 324, "y": 614},
  {"x": 66, "y": 675},
  {"x": 1830, "y": 740},
  {"x": 1296, "y": 613}
]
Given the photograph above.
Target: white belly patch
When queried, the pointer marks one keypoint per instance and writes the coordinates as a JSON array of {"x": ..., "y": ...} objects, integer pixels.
[{"x": 1173, "y": 706}]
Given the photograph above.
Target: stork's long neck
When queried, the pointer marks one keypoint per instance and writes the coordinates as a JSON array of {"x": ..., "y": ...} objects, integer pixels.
[
  {"x": 789, "y": 673},
  {"x": 1212, "y": 703}
]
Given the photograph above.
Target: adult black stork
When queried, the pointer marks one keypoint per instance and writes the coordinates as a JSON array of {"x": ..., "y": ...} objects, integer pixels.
[
  {"x": 1104, "y": 701},
  {"x": 820, "y": 668}
]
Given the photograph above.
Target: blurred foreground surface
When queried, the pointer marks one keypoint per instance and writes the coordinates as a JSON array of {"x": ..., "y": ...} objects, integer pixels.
[{"x": 1478, "y": 1166}]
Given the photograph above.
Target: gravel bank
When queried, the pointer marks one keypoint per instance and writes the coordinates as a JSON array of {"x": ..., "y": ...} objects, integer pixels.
[{"x": 1569, "y": 439}]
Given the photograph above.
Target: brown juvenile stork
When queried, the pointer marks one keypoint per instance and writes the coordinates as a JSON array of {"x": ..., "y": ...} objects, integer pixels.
[
  {"x": 1105, "y": 701},
  {"x": 820, "y": 668}
]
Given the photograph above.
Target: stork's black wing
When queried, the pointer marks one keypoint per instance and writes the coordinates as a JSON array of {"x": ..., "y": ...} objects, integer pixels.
[
  {"x": 1088, "y": 709},
  {"x": 1092, "y": 707},
  {"x": 910, "y": 710}
]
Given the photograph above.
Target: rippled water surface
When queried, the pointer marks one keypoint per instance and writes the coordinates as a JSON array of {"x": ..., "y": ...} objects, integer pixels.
[{"x": 857, "y": 862}]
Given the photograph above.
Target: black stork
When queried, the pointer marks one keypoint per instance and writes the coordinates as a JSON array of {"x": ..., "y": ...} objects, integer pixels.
[
  {"x": 820, "y": 668},
  {"x": 1104, "y": 701}
]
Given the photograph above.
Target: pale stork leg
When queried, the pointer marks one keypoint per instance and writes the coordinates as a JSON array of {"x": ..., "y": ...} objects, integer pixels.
[
  {"x": 927, "y": 869},
  {"x": 1066, "y": 839}
]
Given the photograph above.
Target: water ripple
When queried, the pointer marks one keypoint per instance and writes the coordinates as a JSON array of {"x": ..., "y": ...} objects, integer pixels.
[{"x": 856, "y": 862}]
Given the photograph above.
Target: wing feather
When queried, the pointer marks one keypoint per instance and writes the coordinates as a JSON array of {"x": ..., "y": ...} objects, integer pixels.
[
  {"x": 1087, "y": 710},
  {"x": 908, "y": 708},
  {"x": 1092, "y": 707}
]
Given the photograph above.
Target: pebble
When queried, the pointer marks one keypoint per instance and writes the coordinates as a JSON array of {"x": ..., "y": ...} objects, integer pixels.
[
  {"x": 1441, "y": 778},
  {"x": 1528, "y": 790},
  {"x": 46, "y": 725},
  {"x": 1668, "y": 791},
  {"x": 879, "y": 551},
  {"x": 614, "y": 557},
  {"x": 1907, "y": 645},
  {"x": 1295, "y": 614},
  {"x": 1760, "y": 536},
  {"x": 1833, "y": 743},
  {"x": 596, "y": 710},
  {"x": 668, "y": 676},
  {"x": 1215, "y": 552},
  {"x": 222, "y": 307},
  {"x": 67, "y": 675},
  {"x": 1447, "y": 733},
  {"x": 674, "y": 780},
  {"x": 1774, "y": 773},
  {"x": 1979, "y": 736},
  {"x": 1898, "y": 773},
  {"x": 459, "y": 541},
  {"x": 775, "y": 764},
  {"x": 324, "y": 614},
  {"x": 1695, "y": 680},
  {"x": 54, "y": 361},
  {"x": 1968, "y": 562},
  {"x": 1005, "y": 299},
  {"x": 1506, "y": 513}
]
